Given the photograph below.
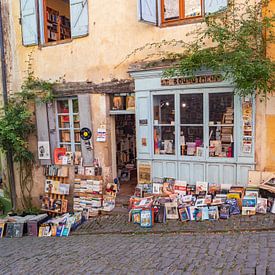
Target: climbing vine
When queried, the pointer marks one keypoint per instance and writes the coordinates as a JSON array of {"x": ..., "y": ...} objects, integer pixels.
[{"x": 17, "y": 125}]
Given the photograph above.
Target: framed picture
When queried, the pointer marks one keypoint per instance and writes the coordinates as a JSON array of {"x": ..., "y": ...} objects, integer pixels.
[
  {"x": 118, "y": 103},
  {"x": 44, "y": 150},
  {"x": 130, "y": 103},
  {"x": 144, "y": 173}
]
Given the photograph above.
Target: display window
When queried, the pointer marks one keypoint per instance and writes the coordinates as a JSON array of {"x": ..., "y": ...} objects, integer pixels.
[
  {"x": 201, "y": 125},
  {"x": 164, "y": 124},
  {"x": 68, "y": 124}
]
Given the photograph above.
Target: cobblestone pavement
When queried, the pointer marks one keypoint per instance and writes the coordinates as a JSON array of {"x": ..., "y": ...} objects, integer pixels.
[
  {"x": 120, "y": 224},
  {"x": 226, "y": 253}
]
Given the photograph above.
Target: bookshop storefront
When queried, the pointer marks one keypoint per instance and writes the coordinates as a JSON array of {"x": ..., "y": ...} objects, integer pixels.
[{"x": 193, "y": 129}]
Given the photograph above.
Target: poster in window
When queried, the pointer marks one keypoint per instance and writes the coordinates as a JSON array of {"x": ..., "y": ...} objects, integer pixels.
[
  {"x": 171, "y": 9},
  {"x": 44, "y": 150},
  {"x": 118, "y": 103},
  {"x": 130, "y": 103},
  {"x": 144, "y": 173},
  {"x": 192, "y": 8}
]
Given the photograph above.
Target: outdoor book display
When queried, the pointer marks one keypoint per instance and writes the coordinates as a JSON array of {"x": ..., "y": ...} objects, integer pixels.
[
  {"x": 170, "y": 199},
  {"x": 40, "y": 225}
]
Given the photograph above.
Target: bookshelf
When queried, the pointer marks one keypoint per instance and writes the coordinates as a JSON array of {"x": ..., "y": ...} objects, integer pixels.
[{"x": 57, "y": 27}]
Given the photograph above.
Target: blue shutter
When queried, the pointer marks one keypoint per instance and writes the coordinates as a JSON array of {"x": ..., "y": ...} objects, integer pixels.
[
  {"x": 213, "y": 6},
  {"x": 29, "y": 22},
  {"x": 147, "y": 11},
  {"x": 79, "y": 18}
]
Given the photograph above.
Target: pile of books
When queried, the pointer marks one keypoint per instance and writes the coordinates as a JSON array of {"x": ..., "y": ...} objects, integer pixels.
[{"x": 173, "y": 199}]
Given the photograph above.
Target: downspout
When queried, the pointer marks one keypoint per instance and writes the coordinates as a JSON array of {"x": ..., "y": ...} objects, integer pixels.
[{"x": 5, "y": 98}]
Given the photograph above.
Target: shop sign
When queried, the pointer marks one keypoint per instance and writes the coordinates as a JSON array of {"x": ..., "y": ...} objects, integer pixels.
[{"x": 199, "y": 79}]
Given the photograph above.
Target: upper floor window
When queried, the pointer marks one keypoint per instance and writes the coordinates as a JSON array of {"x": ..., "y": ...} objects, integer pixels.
[
  {"x": 45, "y": 21},
  {"x": 162, "y": 12}
]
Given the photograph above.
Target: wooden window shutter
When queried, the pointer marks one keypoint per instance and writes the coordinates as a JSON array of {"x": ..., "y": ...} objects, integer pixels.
[
  {"x": 79, "y": 18},
  {"x": 84, "y": 104},
  {"x": 213, "y": 6},
  {"x": 148, "y": 11},
  {"x": 29, "y": 22},
  {"x": 42, "y": 126}
]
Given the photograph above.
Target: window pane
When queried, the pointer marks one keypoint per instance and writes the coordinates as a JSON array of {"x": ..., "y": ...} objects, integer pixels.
[
  {"x": 63, "y": 106},
  {"x": 191, "y": 109},
  {"x": 64, "y": 136},
  {"x": 76, "y": 136},
  {"x": 191, "y": 140},
  {"x": 76, "y": 121},
  {"x": 64, "y": 121},
  {"x": 164, "y": 140},
  {"x": 75, "y": 106},
  {"x": 221, "y": 125},
  {"x": 164, "y": 109},
  {"x": 67, "y": 146},
  {"x": 171, "y": 9},
  {"x": 77, "y": 147},
  {"x": 192, "y": 8}
]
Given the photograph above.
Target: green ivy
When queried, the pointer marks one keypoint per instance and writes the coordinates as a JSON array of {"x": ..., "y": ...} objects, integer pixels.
[{"x": 238, "y": 38}]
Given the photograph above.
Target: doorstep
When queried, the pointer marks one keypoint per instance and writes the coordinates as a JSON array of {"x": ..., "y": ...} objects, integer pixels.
[{"x": 119, "y": 224}]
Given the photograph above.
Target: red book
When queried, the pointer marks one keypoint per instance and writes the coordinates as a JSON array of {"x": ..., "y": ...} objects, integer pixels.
[{"x": 58, "y": 154}]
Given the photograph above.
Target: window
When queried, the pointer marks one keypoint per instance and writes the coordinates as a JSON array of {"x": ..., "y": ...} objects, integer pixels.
[
  {"x": 53, "y": 20},
  {"x": 191, "y": 124},
  {"x": 164, "y": 124},
  {"x": 68, "y": 124},
  {"x": 174, "y": 11}
]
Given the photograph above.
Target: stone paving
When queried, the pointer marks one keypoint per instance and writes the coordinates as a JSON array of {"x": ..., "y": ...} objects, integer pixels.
[
  {"x": 119, "y": 224},
  {"x": 226, "y": 253}
]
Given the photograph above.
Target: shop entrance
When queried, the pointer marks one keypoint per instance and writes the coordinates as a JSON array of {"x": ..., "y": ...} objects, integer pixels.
[{"x": 125, "y": 130}]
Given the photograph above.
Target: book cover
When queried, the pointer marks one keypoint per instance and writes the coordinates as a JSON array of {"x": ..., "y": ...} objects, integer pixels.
[
  {"x": 234, "y": 207},
  {"x": 208, "y": 199},
  {"x": 2, "y": 228},
  {"x": 187, "y": 198},
  {"x": 252, "y": 193},
  {"x": 159, "y": 213},
  {"x": 201, "y": 186},
  {"x": 184, "y": 214},
  {"x": 59, "y": 230},
  {"x": 214, "y": 188},
  {"x": 213, "y": 212},
  {"x": 248, "y": 201},
  {"x": 66, "y": 231},
  {"x": 217, "y": 201},
  {"x": 53, "y": 230},
  {"x": 191, "y": 211},
  {"x": 224, "y": 211},
  {"x": 41, "y": 231},
  {"x": 248, "y": 211},
  {"x": 197, "y": 214},
  {"x": 269, "y": 204},
  {"x": 157, "y": 188},
  {"x": 180, "y": 187},
  {"x": 139, "y": 191},
  {"x": 190, "y": 189},
  {"x": 171, "y": 210},
  {"x": 200, "y": 202},
  {"x": 136, "y": 216},
  {"x": 205, "y": 213},
  {"x": 146, "y": 218},
  {"x": 261, "y": 205},
  {"x": 59, "y": 153}
]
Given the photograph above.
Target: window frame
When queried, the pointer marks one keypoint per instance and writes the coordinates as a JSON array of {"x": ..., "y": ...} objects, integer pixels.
[
  {"x": 71, "y": 129},
  {"x": 205, "y": 156},
  {"x": 182, "y": 19}
]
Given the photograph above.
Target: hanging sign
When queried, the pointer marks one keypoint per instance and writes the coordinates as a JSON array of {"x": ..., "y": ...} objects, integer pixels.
[{"x": 199, "y": 79}]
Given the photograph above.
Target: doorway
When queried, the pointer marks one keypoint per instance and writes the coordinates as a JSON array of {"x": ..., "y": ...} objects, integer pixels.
[{"x": 126, "y": 154}]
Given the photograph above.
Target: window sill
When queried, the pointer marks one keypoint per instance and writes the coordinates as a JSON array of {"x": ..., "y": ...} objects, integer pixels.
[
  {"x": 181, "y": 22},
  {"x": 55, "y": 43}
]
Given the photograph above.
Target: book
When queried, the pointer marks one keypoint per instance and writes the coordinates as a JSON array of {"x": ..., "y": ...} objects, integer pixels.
[
  {"x": 234, "y": 207},
  {"x": 59, "y": 230},
  {"x": 146, "y": 218},
  {"x": 201, "y": 186},
  {"x": 214, "y": 188},
  {"x": 171, "y": 210},
  {"x": 191, "y": 211},
  {"x": 249, "y": 201},
  {"x": 186, "y": 198},
  {"x": 261, "y": 205},
  {"x": 190, "y": 189},
  {"x": 184, "y": 214},
  {"x": 66, "y": 231},
  {"x": 205, "y": 213},
  {"x": 2, "y": 228},
  {"x": 269, "y": 204},
  {"x": 180, "y": 187},
  {"x": 248, "y": 211},
  {"x": 224, "y": 211},
  {"x": 139, "y": 191},
  {"x": 200, "y": 202},
  {"x": 208, "y": 199},
  {"x": 213, "y": 213},
  {"x": 59, "y": 153},
  {"x": 252, "y": 193},
  {"x": 197, "y": 214},
  {"x": 217, "y": 201},
  {"x": 136, "y": 216},
  {"x": 159, "y": 213},
  {"x": 157, "y": 188}
]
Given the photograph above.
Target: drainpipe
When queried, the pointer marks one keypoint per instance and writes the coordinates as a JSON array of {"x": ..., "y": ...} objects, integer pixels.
[{"x": 5, "y": 98}]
